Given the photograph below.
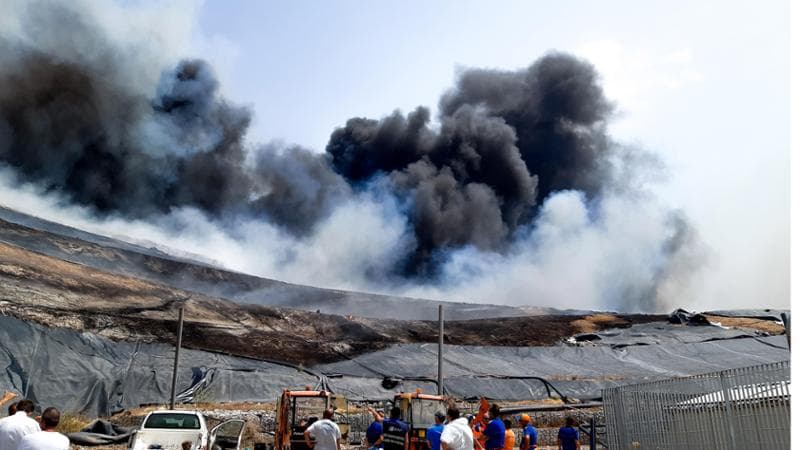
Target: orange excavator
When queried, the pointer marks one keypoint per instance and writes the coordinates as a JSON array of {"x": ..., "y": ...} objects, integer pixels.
[
  {"x": 417, "y": 410},
  {"x": 296, "y": 410}
]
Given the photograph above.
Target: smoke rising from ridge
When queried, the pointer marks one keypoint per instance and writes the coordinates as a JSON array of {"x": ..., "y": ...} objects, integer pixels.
[{"x": 91, "y": 123}]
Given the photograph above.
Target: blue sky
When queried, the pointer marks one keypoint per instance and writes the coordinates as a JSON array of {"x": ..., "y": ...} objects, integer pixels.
[{"x": 705, "y": 86}]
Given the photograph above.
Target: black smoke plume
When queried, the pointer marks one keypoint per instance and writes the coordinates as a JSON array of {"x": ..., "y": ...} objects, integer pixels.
[
  {"x": 80, "y": 124},
  {"x": 506, "y": 141}
]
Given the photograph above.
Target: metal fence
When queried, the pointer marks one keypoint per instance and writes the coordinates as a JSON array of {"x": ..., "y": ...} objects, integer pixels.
[{"x": 737, "y": 409}]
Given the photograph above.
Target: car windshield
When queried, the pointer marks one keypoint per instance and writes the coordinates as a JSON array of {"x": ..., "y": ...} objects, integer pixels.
[{"x": 173, "y": 420}]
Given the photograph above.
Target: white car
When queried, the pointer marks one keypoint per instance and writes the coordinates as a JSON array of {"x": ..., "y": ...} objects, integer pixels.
[{"x": 169, "y": 430}]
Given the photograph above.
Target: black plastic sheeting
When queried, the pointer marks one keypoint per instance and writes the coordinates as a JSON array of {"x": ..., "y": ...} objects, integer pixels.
[
  {"x": 87, "y": 374},
  {"x": 766, "y": 314},
  {"x": 101, "y": 432},
  {"x": 694, "y": 318},
  {"x": 576, "y": 371},
  {"x": 662, "y": 333},
  {"x": 92, "y": 375}
]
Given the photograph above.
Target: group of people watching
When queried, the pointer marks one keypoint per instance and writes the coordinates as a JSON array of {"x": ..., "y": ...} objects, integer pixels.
[
  {"x": 451, "y": 431},
  {"x": 23, "y": 430}
]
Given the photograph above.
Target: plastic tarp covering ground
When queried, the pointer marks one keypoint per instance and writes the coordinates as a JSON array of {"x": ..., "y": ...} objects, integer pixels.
[
  {"x": 662, "y": 333},
  {"x": 695, "y": 318},
  {"x": 576, "y": 371},
  {"x": 91, "y": 375},
  {"x": 766, "y": 314},
  {"x": 101, "y": 432},
  {"x": 88, "y": 374}
]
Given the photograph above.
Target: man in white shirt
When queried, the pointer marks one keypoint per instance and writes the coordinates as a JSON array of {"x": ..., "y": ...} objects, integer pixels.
[
  {"x": 325, "y": 432},
  {"x": 48, "y": 438},
  {"x": 457, "y": 434},
  {"x": 14, "y": 428}
]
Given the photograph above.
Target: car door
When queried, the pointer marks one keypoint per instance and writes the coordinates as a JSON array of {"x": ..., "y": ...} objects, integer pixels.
[{"x": 227, "y": 435}]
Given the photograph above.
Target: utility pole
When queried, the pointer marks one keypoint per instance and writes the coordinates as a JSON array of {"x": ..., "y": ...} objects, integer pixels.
[
  {"x": 177, "y": 356},
  {"x": 440, "y": 375}
]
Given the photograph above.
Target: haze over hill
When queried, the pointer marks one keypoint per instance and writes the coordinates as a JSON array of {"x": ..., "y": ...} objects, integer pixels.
[
  {"x": 130, "y": 260},
  {"x": 68, "y": 278},
  {"x": 515, "y": 193}
]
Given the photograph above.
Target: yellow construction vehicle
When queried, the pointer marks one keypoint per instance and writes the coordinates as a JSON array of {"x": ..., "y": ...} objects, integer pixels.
[
  {"x": 296, "y": 410},
  {"x": 417, "y": 410}
]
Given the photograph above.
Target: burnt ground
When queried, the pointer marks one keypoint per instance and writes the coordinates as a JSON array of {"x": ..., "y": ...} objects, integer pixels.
[
  {"x": 191, "y": 273},
  {"x": 58, "y": 293}
]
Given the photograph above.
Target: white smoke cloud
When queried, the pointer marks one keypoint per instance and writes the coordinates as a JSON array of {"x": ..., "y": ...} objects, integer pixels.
[
  {"x": 613, "y": 252},
  {"x": 605, "y": 255}
]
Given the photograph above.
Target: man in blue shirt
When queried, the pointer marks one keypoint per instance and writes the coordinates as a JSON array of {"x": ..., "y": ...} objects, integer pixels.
[
  {"x": 530, "y": 435},
  {"x": 395, "y": 431},
  {"x": 568, "y": 436},
  {"x": 375, "y": 430},
  {"x": 495, "y": 431},
  {"x": 434, "y": 433}
]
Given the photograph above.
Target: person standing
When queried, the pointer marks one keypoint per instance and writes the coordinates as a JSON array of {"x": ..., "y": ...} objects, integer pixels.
[
  {"x": 48, "y": 438},
  {"x": 530, "y": 435},
  {"x": 12, "y": 409},
  {"x": 375, "y": 430},
  {"x": 457, "y": 434},
  {"x": 494, "y": 434},
  {"x": 14, "y": 428},
  {"x": 511, "y": 438},
  {"x": 325, "y": 432},
  {"x": 434, "y": 433},
  {"x": 395, "y": 431},
  {"x": 568, "y": 438}
]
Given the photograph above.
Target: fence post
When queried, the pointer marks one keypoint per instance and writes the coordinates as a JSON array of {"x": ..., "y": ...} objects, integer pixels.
[
  {"x": 726, "y": 395},
  {"x": 592, "y": 435},
  {"x": 619, "y": 419}
]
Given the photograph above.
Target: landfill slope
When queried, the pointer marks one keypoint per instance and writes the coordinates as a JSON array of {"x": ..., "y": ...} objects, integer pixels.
[
  {"x": 57, "y": 293},
  {"x": 188, "y": 273},
  {"x": 92, "y": 375}
]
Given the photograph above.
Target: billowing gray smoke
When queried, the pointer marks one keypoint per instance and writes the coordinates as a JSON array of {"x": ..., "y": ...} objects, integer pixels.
[
  {"x": 79, "y": 116},
  {"x": 79, "y": 126},
  {"x": 506, "y": 141}
]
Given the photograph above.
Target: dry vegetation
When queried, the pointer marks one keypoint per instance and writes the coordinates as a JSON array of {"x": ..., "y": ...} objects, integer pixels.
[
  {"x": 595, "y": 322},
  {"x": 766, "y": 326},
  {"x": 71, "y": 423}
]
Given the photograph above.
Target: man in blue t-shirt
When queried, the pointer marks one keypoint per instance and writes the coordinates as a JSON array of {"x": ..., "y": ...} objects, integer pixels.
[
  {"x": 395, "y": 431},
  {"x": 495, "y": 431},
  {"x": 434, "y": 433},
  {"x": 530, "y": 435},
  {"x": 568, "y": 436},
  {"x": 375, "y": 430}
]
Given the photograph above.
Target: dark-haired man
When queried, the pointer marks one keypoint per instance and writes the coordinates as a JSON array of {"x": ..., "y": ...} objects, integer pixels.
[
  {"x": 434, "y": 433},
  {"x": 48, "y": 438},
  {"x": 14, "y": 428},
  {"x": 457, "y": 434},
  {"x": 395, "y": 431},
  {"x": 495, "y": 432},
  {"x": 326, "y": 433},
  {"x": 568, "y": 436}
]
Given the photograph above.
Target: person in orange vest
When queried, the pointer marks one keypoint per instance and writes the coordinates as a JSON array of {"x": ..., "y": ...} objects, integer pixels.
[{"x": 511, "y": 438}]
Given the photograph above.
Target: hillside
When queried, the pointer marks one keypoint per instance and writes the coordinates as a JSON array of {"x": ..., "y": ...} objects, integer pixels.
[
  {"x": 132, "y": 260},
  {"x": 59, "y": 293}
]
